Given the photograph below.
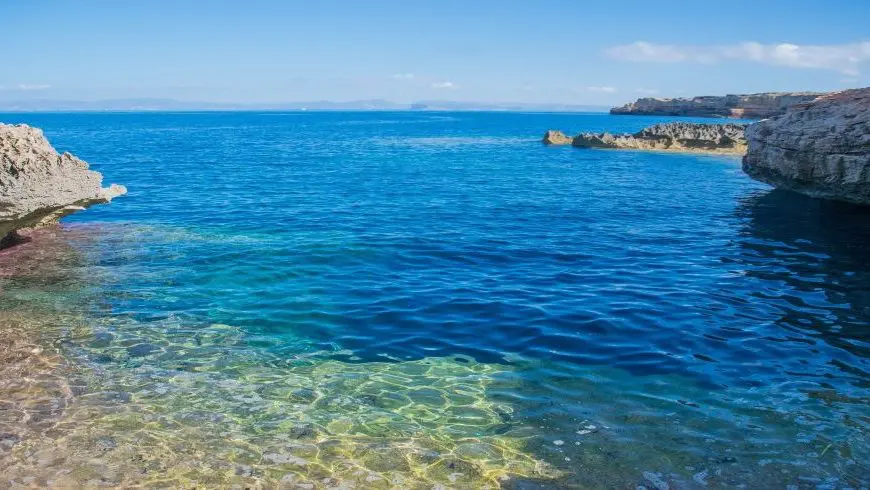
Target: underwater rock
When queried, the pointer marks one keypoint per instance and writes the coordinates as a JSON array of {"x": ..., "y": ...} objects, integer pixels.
[
  {"x": 142, "y": 350},
  {"x": 38, "y": 186},
  {"x": 105, "y": 443},
  {"x": 101, "y": 340},
  {"x": 688, "y": 137},
  {"x": 820, "y": 149}
]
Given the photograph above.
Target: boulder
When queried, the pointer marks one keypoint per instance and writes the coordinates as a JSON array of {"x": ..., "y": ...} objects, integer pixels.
[
  {"x": 553, "y": 137},
  {"x": 821, "y": 148},
  {"x": 38, "y": 185}
]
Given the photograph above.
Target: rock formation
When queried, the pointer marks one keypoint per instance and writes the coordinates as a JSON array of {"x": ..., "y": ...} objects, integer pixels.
[
  {"x": 708, "y": 138},
  {"x": 751, "y": 106},
  {"x": 38, "y": 186},
  {"x": 821, "y": 148},
  {"x": 554, "y": 137}
]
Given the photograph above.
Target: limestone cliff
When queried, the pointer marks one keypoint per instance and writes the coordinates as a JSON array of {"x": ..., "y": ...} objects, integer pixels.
[
  {"x": 821, "y": 148},
  {"x": 707, "y": 138},
  {"x": 750, "y": 106},
  {"x": 38, "y": 186}
]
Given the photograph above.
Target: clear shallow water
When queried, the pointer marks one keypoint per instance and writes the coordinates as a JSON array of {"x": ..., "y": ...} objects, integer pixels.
[{"x": 405, "y": 299}]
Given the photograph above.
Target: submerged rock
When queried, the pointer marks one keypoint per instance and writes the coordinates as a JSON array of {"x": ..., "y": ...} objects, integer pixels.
[
  {"x": 711, "y": 138},
  {"x": 554, "y": 137},
  {"x": 821, "y": 149},
  {"x": 142, "y": 350},
  {"x": 747, "y": 106},
  {"x": 38, "y": 185}
]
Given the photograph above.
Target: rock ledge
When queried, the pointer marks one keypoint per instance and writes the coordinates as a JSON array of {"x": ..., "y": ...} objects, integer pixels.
[
  {"x": 38, "y": 186},
  {"x": 821, "y": 149}
]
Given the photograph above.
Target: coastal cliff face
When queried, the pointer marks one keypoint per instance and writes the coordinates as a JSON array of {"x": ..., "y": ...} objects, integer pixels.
[
  {"x": 821, "y": 149},
  {"x": 750, "y": 106},
  {"x": 38, "y": 186},
  {"x": 687, "y": 137}
]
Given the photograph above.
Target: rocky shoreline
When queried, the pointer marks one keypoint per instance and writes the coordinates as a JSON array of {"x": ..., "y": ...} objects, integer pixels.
[
  {"x": 682, "y": 137},
  {"x": 38, "y": 186},
  {"x": 819, "y": 147},
  {"x": 745, "y": 106}
]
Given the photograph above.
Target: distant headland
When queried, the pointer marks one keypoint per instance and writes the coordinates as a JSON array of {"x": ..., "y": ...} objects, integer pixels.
[
  {"x": 746, "y": 106},
  {"x": 174, "y": 105}
]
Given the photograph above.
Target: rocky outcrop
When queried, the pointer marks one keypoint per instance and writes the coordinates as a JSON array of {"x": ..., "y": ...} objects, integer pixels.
[
  {"x": 821, "y": 149},
  {"x": 707, "y": 138},
  {"x": 750, "y": 106},
  {"x": 38, "y": 186},
  {"x": 554, "y": 137}
]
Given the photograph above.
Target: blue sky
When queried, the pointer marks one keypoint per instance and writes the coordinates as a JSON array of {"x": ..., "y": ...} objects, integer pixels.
[{"x": 527, "y": 51}]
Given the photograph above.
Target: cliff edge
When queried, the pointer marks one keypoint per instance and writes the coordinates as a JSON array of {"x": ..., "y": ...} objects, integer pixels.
[
  {"x": 38, "y": 185},
  {"x": 821, "y": 148},
  {"x": 747, "y": 106}
]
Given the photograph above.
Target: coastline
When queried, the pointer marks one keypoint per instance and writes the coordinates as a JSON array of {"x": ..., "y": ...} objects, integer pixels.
[{"x": 175, "y": 356}]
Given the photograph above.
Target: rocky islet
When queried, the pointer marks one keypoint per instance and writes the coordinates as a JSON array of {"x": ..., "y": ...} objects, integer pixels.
[{"x": 678, "y": 136}]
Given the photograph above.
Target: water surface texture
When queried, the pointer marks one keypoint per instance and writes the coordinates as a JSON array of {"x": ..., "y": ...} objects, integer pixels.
[{"x": 428, "y": 300}]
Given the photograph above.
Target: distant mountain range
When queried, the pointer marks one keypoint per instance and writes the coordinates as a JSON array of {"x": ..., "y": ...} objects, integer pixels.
[{"x": 150, "y": 104}]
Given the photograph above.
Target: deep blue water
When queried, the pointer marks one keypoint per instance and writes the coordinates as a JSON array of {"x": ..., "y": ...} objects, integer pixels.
[{"x": 711, "y": 330}]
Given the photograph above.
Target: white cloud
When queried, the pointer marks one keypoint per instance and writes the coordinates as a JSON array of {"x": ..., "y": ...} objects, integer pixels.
[
  {"x": 844, "y": 58},
  {"x": 647, "y": 91},
  {"x": 26, "y": 86},
  {"x": 601, "y": 89},
  {"x": 403, "y": 76},
  {"x": 444, "y": 85}
]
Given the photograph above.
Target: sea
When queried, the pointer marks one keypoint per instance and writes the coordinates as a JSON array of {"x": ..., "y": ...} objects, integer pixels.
[{"x": 429, "y": 300}]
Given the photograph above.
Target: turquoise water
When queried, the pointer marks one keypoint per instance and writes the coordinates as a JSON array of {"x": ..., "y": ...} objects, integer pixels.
[{"x": 416, "y": 299}]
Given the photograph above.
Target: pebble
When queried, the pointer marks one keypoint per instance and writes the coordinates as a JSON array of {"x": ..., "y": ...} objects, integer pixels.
[
  {"x": 559, "y": 442},
  {"x": 105, "y": 444}
]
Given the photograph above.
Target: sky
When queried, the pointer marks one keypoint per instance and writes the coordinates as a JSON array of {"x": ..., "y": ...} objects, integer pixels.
[{"x": 602, "y": 52}]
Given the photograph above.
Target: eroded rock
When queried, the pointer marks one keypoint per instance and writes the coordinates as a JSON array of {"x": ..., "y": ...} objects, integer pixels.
[
  {"x": 821, "y": 149},
  {"x": 38, "y": 186},
  {"x": 554, "y": 137},
  {"x": 708, "y": 138}
]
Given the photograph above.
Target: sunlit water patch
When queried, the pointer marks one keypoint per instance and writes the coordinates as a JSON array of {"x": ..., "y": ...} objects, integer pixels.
[{"x": 446, "y": 305}]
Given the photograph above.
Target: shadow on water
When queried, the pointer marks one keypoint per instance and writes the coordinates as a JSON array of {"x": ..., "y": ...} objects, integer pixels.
[{"x": 815, "y": 249}]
